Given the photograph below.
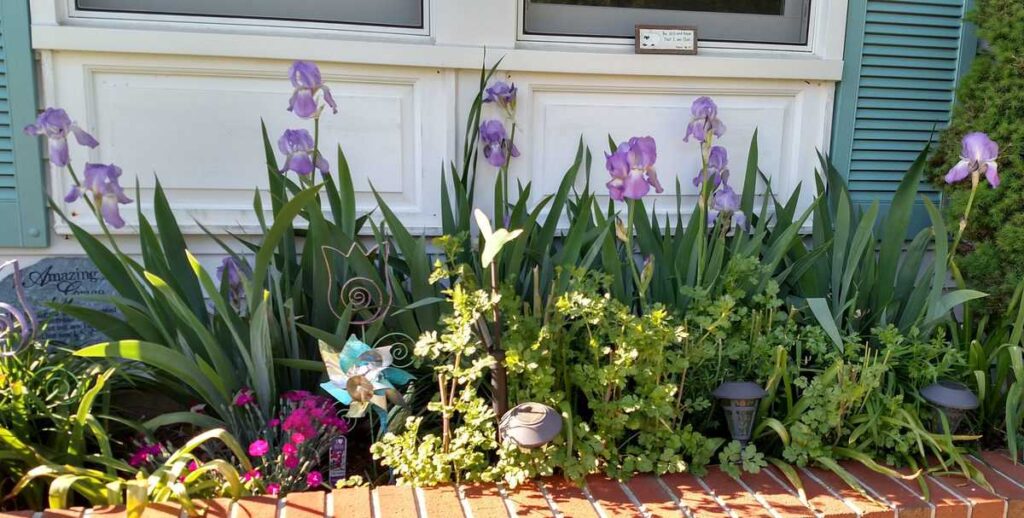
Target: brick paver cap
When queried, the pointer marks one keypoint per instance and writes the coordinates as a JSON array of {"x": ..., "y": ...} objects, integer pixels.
[{"x": 712, "y": 495}]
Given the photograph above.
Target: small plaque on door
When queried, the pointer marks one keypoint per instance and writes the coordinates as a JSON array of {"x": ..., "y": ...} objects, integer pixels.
[{"x": 666, "y": 39}]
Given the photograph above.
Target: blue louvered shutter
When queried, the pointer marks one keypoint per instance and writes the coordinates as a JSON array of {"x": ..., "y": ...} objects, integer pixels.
[
  {"x": 22, "y": 195},
  {"x": 901, "y": 65}
]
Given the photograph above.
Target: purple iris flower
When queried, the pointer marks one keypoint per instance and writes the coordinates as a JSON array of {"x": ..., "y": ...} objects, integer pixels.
[
  {"x": 705, "y": 120},
  {"x": 299, "y": 148},
  {"x": 717, "y": 168},
  {"x": 230, "y": 272},
  {"x": 632, "y": 169},
  {"x": 496, "y": 142},
  {"x": 306, "y": 79},
  {"x": 102, "y": 181},
  {"x": 503, "y": 94},
  {"x": 977, "y": 156},
  {"x": 55, "y": 124},
  {"x": 726, "y": 202}
]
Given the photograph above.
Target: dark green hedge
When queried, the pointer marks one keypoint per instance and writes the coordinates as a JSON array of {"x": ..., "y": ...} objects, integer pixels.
[{"x": 991, "y": 99}]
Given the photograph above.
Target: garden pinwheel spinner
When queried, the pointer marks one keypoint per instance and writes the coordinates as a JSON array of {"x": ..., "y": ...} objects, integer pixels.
[{"x": 363, "y": 377}]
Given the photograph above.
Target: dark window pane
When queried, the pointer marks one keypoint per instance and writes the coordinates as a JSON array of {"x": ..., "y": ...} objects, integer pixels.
[
  {"x": 746, "y": 21},
  {"x": 714, "y": 6},
  {"x": 399, "y": 13}
]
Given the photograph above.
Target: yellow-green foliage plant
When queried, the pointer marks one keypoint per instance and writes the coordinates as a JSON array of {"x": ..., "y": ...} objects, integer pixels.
[
  {"x": 183, "y": 476},
  {"x": 47, "y": 400}
]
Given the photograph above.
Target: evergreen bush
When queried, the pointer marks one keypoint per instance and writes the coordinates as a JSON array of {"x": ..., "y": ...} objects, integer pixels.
[{"x": 990, "y": 99}]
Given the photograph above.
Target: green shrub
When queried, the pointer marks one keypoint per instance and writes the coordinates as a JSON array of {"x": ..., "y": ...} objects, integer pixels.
[
  {"x": 462, "y": 451},
  {"x": 990, "y": 99},
  {"x": 47, "y": 401}
]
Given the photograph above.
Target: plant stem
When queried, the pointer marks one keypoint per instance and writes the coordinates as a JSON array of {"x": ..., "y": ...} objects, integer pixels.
[
  {"x": 975, "y": 181},
  {"x": 499, "y": 377},
  {"x": 641, "y": 296},
  {"x": 316, "y": 153},
  {"x": 501, "y": 201},
  {"x": 455, "y": 385},
  {"x": 445, "y": 420},
  {"x": 679, "y": 395},
  {"x": 706, "y": 187}
]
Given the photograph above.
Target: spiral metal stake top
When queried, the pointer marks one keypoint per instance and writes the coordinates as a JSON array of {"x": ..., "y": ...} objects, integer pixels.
[
  {"x": 359, "y": 295},
  {"x": 18, "y": 325}
]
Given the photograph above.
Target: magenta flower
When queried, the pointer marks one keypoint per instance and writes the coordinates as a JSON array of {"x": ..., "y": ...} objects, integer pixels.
[
  {"x": 314, "y": 479},
  {"x": 252, "y": 475},
  {"x": 273, "y": 489},
  {"x": 307, "y": 82},
  {"x": 726, "y": 202},
  {"x": 291, "y": 461},
  {"x": 144, "y": 454},
  {"x": 503, "y": 95},
  {"x": 102, "y": 181},
  {"x": 496, "y": 142},
  {"x": 299, "y": 421},
  {"x": 977, "y": 156},
  {"x": 258, "y": 448},
  {"x": 717, "y": 167},
  {"x": 298, "y": 438},
  {"x": 137, "y": 459},
  {"x": 289, "y": 449},
  {"x": 273, "y": 422},
  {"x": 315, "y": 402},
  {"x": 632, "y": 169},
  {"x": 337, "y": 423},
  {"x": 705, "y": 120},
  {"x": 244, "y": 397},
  {"x": 299, "y": 150},
  {"x": 296, "y": 395},
  {"x": 55, "y": 124}
]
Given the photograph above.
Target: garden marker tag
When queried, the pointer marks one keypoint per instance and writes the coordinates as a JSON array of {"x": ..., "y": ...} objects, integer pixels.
[
  {"x": 665, "y": 39},
  {"x": 339, "y": 460}
]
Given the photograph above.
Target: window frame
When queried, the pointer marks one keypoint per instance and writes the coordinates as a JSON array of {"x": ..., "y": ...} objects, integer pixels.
[
  {"x": 73, "y": 14},
  {"x": 815, "y": 13}
]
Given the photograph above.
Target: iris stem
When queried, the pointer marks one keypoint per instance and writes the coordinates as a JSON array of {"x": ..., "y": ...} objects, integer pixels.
[
  {"x": 705, "y": 193},
  {"x": 503, "y": 178},
  {"x": 641, "y": 296},
  {"x": 975, "y": 181},
  {"x": 316, "y": 154}
]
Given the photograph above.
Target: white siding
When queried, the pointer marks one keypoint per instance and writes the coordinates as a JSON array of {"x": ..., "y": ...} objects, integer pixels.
[{"x": 182, "y": 98}]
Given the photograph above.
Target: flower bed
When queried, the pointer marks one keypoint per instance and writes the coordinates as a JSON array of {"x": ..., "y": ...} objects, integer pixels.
[{"x": 755, "y": 334}]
